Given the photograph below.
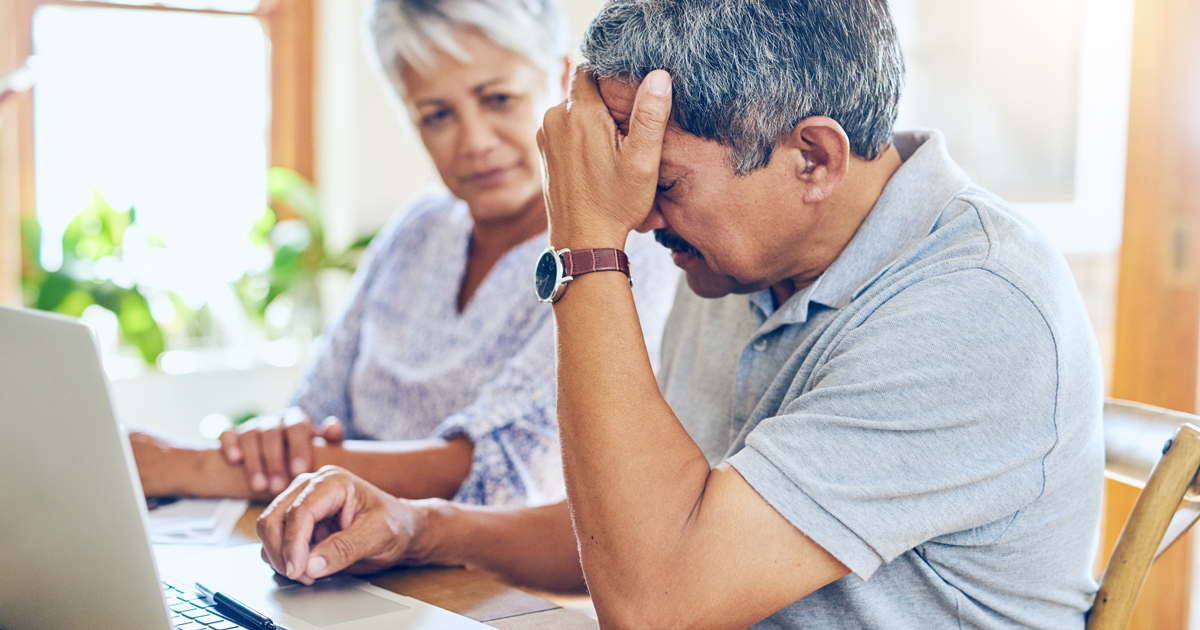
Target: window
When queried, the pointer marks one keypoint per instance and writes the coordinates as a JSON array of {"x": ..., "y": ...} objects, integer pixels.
[
  {"x": 174, "y": 108},
  {"x": 1033, "y": 96},
  {"x": 164, "y": 112}
]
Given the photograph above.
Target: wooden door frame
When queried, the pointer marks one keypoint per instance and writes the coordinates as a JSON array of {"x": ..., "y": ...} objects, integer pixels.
[
  {"x": 16, "y": 147},
  {"x": 1158, "y": 296}
]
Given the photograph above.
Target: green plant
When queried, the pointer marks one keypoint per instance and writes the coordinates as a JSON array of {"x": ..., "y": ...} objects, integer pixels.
[
  {"x": 93, "y": 248},
  {"x": 95, "y": 269},
  {"x": 291, "y": 228}
]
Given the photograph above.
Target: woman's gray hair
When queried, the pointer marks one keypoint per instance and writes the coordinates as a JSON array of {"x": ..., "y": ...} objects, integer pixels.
[
  {"x": 411, "y": 31},
  {"x": 745, "y": 72}
]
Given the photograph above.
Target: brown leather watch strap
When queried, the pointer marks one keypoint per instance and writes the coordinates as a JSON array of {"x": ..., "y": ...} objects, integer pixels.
[{"x": 581, "y": 261}]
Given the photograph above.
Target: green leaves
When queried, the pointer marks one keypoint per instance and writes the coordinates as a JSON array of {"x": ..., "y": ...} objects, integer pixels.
[
  {"x": 56, "y": 286},
  {"x": 95, "y": 234},
  {"x": 96, "y": 272},
  {"x": 289, "y": 189},
  {"x": 262, "y": 227},
  {"x": 291, "y": 227},
  {"x": 138, "y": 325}
]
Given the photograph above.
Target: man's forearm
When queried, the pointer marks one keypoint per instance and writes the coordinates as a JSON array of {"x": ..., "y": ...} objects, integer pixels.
[
  {"x": 533, "y": 547},
  {"x": 634, "y": 476}
]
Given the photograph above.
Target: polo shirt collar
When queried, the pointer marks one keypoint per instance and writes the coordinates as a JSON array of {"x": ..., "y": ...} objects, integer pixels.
[{"x": 904, "y": 214}]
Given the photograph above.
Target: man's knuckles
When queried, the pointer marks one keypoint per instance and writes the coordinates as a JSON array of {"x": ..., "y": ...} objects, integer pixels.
[
  {"x": 638, "y": 169},
  {"x": 328, "y": 470},
  {"x": 269, "y": 527},
  {"x": 340, "y": 551},
  {"x": 554, "y": 119}
]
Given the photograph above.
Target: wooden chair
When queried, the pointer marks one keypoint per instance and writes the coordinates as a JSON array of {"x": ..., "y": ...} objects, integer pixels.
[{"x": 1157, "y": 450}]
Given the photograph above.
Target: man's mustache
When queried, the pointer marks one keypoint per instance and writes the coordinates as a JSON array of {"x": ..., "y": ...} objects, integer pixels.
[{"x": 675, "y": 243}]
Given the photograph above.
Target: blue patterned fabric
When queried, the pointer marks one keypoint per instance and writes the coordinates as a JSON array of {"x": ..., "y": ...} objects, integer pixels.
[{"x": 399, "y": 362}]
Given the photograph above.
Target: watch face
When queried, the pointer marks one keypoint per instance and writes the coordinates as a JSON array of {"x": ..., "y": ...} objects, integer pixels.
[{"x": 546, "y": 276}]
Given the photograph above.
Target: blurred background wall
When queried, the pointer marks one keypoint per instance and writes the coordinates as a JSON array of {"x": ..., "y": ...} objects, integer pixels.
[{"x": 369, "y": 160}]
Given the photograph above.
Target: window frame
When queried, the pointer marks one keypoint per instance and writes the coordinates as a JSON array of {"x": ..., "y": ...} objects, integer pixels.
[{"x": 289, "y": 26}]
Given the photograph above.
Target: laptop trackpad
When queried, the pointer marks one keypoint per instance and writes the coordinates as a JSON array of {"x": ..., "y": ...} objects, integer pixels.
[{"x": 331, "y": 602}]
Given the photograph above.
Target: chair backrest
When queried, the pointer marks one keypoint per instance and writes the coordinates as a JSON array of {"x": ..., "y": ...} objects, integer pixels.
[{"x": 1158, "y": 450}]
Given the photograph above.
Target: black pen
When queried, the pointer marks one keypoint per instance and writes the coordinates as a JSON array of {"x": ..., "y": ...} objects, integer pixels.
[
  {"x": 153, "y": 503},
  {"x": 255, "y": 619}
]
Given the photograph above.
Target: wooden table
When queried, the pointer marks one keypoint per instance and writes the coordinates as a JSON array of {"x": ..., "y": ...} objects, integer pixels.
[{"x": 470, "y": 593}]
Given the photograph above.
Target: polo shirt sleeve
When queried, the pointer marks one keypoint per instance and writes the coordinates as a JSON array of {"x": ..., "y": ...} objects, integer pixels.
[{"x": 927, "y": 418}]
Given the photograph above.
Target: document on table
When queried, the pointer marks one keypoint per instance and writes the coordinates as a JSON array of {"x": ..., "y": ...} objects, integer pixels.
[{"x": 196, "y": 521}]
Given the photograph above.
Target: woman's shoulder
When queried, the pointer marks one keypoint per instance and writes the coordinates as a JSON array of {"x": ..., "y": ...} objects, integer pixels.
[{"x": 429, "y": 218}]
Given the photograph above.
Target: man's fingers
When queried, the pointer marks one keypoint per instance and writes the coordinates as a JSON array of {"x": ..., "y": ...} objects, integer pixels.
[
  {"x": 601, "y": 154},
  {"x": 270, "y": 525},
  {"x": 252, "y": 460},
  {"x": 651, "y": 113},
  {"x": 343, "y": 549},
  {"x": 333, "y": 554},
  {"x": 324, "y": 497},
  {"x": 230, "y": 450}
]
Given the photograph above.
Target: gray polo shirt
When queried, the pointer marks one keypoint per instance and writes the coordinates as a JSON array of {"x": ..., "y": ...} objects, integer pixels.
[{"x": 928, "y": 412}]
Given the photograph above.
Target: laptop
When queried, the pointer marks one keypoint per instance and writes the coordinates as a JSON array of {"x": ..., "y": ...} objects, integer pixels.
[{"x": 74, "y": 550}]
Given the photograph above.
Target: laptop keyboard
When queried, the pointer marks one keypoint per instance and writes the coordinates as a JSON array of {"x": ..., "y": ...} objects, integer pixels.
[{"x": 191, "y": 611}]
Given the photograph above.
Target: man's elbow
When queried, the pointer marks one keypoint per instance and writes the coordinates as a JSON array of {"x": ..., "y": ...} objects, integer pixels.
[
  {"x": 653, "y": 607},
  {"x": 642, "y": 619}
]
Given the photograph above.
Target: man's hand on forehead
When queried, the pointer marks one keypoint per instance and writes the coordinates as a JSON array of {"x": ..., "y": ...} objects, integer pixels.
[{"x": 601, "y": 153}]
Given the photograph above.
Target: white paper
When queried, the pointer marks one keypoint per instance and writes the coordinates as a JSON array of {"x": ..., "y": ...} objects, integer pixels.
[{"x": 196, "y": 521}]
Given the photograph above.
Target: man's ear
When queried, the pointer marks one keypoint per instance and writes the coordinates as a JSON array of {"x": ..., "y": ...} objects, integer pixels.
[{"x": 820, "y": 150}]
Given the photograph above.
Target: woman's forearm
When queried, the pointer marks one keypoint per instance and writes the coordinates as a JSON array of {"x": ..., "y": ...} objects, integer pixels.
[
  {"x": 413, "y": 469},
  {"x": 532, "y": 547},
  {"x": 169, "y": 468}
]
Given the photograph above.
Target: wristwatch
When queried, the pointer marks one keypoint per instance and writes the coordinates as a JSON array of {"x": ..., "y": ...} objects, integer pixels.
[{"x": 555, "y": 268}]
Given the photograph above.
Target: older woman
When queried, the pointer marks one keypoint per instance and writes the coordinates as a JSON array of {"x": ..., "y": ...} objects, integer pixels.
[{"x": 442, "y": 356}]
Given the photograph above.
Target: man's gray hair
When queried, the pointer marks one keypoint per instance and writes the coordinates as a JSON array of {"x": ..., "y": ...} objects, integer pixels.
[
  {"x": 411, "y": 31},
  {"x": 747, "y": 71}
]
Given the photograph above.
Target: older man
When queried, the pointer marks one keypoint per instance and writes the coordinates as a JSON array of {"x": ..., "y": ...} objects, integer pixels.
[
  {"x": 903, "y": 412},
  {"x": 891, "y": 372}
]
